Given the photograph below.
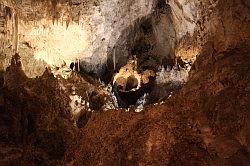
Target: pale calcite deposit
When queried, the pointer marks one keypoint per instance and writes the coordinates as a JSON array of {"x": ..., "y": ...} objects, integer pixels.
[
  {"x": 57, "y": 33},
  {"x": 54, "y": 43},
  {"x": 56, "y": 40},
  {"x": 184, "y": 16}
]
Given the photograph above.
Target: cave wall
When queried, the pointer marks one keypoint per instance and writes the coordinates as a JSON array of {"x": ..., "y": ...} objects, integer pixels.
[
  {"x": 63, "y": 31},
  {"x": 185, "y": 14},
  {"x": 102, "y": 34},
  {"x": 151, "y": 38},
  {"x": 58, "y": 32},
  {"x": 206, "y": 123}
]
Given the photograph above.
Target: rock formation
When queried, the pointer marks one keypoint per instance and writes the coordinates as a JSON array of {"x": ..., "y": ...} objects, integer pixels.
[{"x": 194, "y": 110}]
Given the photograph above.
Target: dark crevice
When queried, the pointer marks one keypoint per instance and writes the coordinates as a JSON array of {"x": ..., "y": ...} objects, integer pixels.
[
  {"x": 83, "y": 119},
  {"x": 96, "y": 101}
]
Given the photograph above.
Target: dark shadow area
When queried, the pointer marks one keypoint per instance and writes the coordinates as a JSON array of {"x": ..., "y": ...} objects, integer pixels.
[
  {"x": 52, "y": 144},
  {"x": 126, "y": 99},
  {"x": 96, "y": 101},
  {"x": 131, "y": 83},
  {"x": 83, "y": 119},
  {"x": 1, "y": 91}
]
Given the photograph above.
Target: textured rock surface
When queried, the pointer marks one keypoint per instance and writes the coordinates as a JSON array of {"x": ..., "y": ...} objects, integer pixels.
[
  {"x": 94, "y": 31},
  {"x": 205, "y": 123},
  {"x": 70, "y": 30}
]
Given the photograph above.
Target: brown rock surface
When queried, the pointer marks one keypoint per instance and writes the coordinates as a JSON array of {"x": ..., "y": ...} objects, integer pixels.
[
  {"x": 205, "y": 123},
  {"x": 198, "y": 126}
]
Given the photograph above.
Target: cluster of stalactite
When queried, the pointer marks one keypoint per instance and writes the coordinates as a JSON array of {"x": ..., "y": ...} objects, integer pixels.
[{"x": 8, "y": 35}]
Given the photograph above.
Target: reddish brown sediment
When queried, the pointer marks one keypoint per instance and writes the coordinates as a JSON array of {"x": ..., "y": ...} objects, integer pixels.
[{"x": 49, "y": 120}]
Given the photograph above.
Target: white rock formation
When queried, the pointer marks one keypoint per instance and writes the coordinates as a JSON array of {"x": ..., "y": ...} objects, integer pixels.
[
  {"x": 58, "y": 41},
  {"x": 63, "y": 32}
]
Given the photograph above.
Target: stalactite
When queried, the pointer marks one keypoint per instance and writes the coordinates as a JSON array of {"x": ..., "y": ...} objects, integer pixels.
[
  {"x": 78, "y": 65},
  {"x": 67, "y": 22},
  {"x": 54, "y": 11},
  {"x": 114, "y": 61},
  {"x": 2, "y": 25},
  {"x": 61, "y": 21},
  {"x": 15, "y": 32},
  {"x": 79, "y": 14}
]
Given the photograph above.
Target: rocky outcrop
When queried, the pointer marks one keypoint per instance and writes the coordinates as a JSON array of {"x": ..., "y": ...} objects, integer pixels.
[
  {"x": 205, "y": 123},
  {"x": 44, "y": 113}
]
